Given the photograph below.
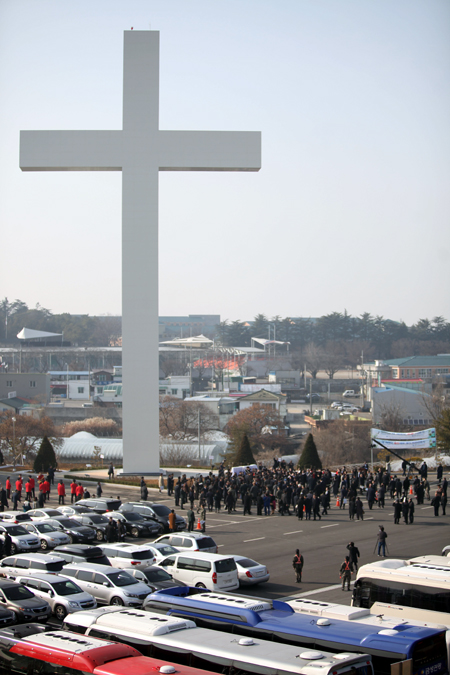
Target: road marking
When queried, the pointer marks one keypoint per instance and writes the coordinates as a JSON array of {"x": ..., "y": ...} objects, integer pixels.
[
  {"x": 295, "y": 532},
  {"x": 371, "y": 518},
  {"x": 333, "y": 525},
  {"x": 304, "y": 595},
  {"x": 426, "y": 507},
  {"x": 257, "y": 539},
  {"x": 219, "y": 545}
]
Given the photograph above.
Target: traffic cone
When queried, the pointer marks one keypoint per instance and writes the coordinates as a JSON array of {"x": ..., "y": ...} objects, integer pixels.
[
  {"x": 199, "y": 524},
  {"x": 337, "y": 502},
  {"x": 410, "y": 490}
]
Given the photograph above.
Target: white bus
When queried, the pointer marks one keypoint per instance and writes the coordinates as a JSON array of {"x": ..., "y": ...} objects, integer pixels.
[
  {"x": 420, "y": 582},
  {"x": 219, "y": 652}
]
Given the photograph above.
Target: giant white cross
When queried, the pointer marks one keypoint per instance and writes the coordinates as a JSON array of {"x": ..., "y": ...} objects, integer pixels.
[{"x": 140, "y": 150}]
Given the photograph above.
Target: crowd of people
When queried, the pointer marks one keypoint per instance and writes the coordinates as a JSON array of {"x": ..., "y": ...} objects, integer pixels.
[{"x": 307, "y": 493}]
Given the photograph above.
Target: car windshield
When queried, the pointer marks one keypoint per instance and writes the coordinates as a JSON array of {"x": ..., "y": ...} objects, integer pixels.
[
  {"x": 66, "y": 522},
  {"x": 66, "y": 588},
  {"x": 142, "y": 555},
  {"x": 17, "y": 593},
  {"x": 206, "y": 542},
  {"x": 16, "y": 530},
  {"x": 165, "y": 549},
  {"x": 52, "y": 512},
  {"x": 45, "y": 527},
  {"x": 98, "y": 520},
  {"x": 133, "y": 516},
  {"x": 157, "y": 575},
  {"x": 227, "y": 565},
  {"x": 122, "y": 579},
  {"x": 247, "y": 562},
  {"x": 161, "y": 510}
]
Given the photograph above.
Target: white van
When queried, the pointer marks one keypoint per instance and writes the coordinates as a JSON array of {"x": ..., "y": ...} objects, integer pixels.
[
  {"x": 205, "y": 570},
  {"x": 349, "y": 393}
]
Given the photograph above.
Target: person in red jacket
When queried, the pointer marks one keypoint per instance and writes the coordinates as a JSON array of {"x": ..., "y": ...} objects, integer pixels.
[
  {"x": 61, "y": 492},
  {"x": 73, "y": 491},
  {"x": 8, "y": 488},
  {"x": 32, "y": 485},
  {"x": 80, "y": 491},
  {"x": 28, "y": 490},
  {"x": 46, "y": 489},
  {"x": 19, "y": 487}
]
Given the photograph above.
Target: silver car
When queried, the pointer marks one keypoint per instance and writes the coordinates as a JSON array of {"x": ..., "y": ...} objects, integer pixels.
[
  {"x": 21, "y": 539},
  {"x": 63, "y": 595},
  {"x": 48, "y": 535},
  {"x": 108, "y": 585},
  {"x": 250, "y": 572},
  {"x": 42, "y": 514}
]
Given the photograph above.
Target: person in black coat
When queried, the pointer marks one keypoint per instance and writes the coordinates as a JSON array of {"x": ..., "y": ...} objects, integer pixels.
[
  {"x": 353, "y": 552},
  {"x": 3, "y": 499},
  {"x": 397, "y": 512},
  {"x": 7, "y": 542},
  {"x": 411, "y": 510}
]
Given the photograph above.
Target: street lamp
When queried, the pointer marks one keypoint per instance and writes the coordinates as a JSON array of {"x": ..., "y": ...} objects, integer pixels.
[{"x": 13, "y": 419}]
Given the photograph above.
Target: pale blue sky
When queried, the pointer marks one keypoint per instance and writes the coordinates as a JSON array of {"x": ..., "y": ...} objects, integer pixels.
[{"x": 351, "y": 206}]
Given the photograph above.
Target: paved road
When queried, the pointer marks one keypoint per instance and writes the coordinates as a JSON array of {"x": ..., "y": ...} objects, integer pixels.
[{"x": 272, "y": 540}]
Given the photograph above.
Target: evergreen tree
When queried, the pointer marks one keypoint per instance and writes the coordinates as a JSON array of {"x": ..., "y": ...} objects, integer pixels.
[
  {"x": 309, "y": 458},
  {"x": 244, "y": 455},
  {"x": 45, "y": 458}
]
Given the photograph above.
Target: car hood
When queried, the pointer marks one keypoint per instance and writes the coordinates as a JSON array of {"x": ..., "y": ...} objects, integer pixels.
[
  {"x": 31, "y": 603},
  {"x": 138, "y": 588},
  {"x": 25, "y": 537},
  {"x": 79, "y": 597},
  {"x": 159, "y": 585},
  {"x": 83, "y": 529}
]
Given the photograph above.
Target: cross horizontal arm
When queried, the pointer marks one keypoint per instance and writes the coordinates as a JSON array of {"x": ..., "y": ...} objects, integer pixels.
[
  {"x": 71, "y": 150},
  {"x": 209, "y": 150}
]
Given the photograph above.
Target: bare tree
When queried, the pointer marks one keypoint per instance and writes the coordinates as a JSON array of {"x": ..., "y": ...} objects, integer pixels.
[
  {"x": 313, "y": 359},
  {"x": 391, "y": 418}
]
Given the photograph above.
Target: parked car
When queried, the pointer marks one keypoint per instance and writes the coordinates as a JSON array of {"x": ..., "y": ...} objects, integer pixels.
[
  {"x": 7, "y": 617},
  {"x": 145, "y": 511},
  {"x": 189, "y": 541},
  {"x": 48, "y": 534},
  {"x": 100, "y": 504},
  {"x": 250, "y": 572},
  {"x": 76, "y": 532},
  {"x": 74, "y": 553},
  {"x": 42, "y": 514},
  {"x": 15, "y": 516},
  {"x": 123, "y": 555},
  {"x": 349, "y": 393},
  {"x": 313, "y": 397},
  {"x": 25, "y": 605},
  {"x": 30, "y": 563},
  {"x": 22, "y": 540},
  {"x": 204, "y": 570},
  {"x": 161, "y": 550},
  {"x": 155, "y": 577},
  {"x": 94, "y": 520},
  {"x": 107, "y": 584},
  {"x": 161, "y": 514},
  {"x": 446, "y": 551},
  {"x": 336, "y": 404},
  {"x": 73, "y": 509},
  {"x": 63, "y": 595},
  {"x": 135, "y": 524}
]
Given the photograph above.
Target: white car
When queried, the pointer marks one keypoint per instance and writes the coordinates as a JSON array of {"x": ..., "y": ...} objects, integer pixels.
[
  {"x": 42, "y": 514},
  {"x": 188, "y": 541},
  {"x": 48, "y": 534},
  {"x": 63, "y": 595},
  {"x": 161, "y": 550},
  {"x": 250, "y": 572},
  {"x": 22, "y": 540},
  {"x": 124, "y": 555}
]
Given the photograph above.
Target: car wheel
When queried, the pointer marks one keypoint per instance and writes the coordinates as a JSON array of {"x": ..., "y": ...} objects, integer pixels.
[
  {"x": 60, "y": 612},
  {"x": 44, "y": 544},
  {"x": 116, "y": 601},
  {"x": 200, "y": 586},
  {"x": 134, "y": 532},
  {"x": 13, "y": 549},
  {"x": 99, "y": 535}
]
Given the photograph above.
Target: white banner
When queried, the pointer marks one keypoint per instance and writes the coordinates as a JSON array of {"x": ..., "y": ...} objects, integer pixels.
[{"x": 420, "y": 440}]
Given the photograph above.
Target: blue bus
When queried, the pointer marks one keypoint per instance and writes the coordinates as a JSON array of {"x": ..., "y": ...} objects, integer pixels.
[{"x": 423, "y": 648}]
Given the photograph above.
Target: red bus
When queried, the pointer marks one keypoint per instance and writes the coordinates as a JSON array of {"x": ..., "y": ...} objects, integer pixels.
[{"x": 64, "y": 653}]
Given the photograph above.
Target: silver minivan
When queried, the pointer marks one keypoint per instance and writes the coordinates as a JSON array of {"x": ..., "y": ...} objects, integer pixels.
[
  {"x": 26, "y": 564},
  {"x": 108, "y": 585},
  {"x": 63, "y": 595}
]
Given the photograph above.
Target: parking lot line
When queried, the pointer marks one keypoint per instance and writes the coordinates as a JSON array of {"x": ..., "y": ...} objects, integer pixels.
[
  {"x": 304, "y": 595},
  {"x": 371, "y": 518},
  {"x": 426, "y": 507},
  {"x": 295, "y": 532},
  {"x": 333, "y": 525},
  {"x": 257, "y": 539}
]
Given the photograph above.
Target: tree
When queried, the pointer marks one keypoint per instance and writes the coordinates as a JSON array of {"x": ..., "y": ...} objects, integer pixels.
[
  {"x": 22, "y": 437},
  {"x": 244, "y": 455},
  {"x": 98, "y": 426},
  {"x": 309, "y": 459},
  {"x": 262, "y": 425},
  {"x": 443, "y": 430},
  {"x": 391, "y": 418},
  {"x": 313, "y": 359},
  {"x": 180, "y": 420},
  {"x": 45, "y": 457}
]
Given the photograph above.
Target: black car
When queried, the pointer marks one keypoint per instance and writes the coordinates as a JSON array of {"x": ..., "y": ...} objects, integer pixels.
[
  {"x": 313, "y": 397},
  {"x": 7, "y": 617},
  {"x": 94, "y": 520},
  {"x": 135, "y": 524},
  {"x": 161, "y": 513},
  {"x": 155, "y": 577},
  {"x": 100, "y": 504},
  {"x": 80, "y": 553},
  {"x": 25, "y": 605},
  {"x": 77, "y": 532}
]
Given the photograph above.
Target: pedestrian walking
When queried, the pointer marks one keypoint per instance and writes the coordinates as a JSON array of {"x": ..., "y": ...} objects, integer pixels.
[
  {"x": 411, "y": 510},
  {"x": 161, "y": 483},
  {"x": 111, "y": 471},
  {"x": 7, "y": 543},
  {"x": 381, "y": 540},
  {"x": 353, "y": 552},
  {"x": 190, "y": 515},
  {"x": 15, "y": 499},
  {"x": 73, "y": 491},
  {"x": 144, "y": 490},
  {"x": 3, "y": 499},
  {"x": 297, "y": 564},
  {"x": 397, "y": 512},
  {"x": 345, "y": 571},
  {"x": 99, "y": 490},
  {"x": 61, "y": 492}
]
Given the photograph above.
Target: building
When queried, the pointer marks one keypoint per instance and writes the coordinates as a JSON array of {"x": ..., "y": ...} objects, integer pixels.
[
  {"x": 30, "y": 386},
  {"x": 409, "y": 368},
  {"x": 186, "y": 326},
  {"x": 410, "y": 404}
]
